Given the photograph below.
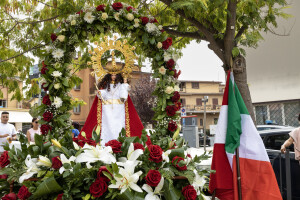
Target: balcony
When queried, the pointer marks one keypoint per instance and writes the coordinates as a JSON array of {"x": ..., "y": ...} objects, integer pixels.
[{"x": 200, "y": 109}]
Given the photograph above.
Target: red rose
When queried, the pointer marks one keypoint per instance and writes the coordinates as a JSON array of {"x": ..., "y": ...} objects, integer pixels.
[
  {"x": 148, "y": 141},
  {"x": 44, "y": 70},
  {"x": 175, "y": 97},
  {"x": 170, "y": 64},
  {"x": 45, "y": 128},
  {"x": 189, "y": 192},
  {"x": 176, "y": 74},
  {"x": 167, "y": 43},
  {"x": 145, "y": 20},
  {"x": 188, "y": 155},
  {"x": 98, "y": 188},
  {"x": 79, "y": 12},
  {"x": 4, "y": 159},
  {"x": 3, "y": 176},
  {"x": 115, "y": 145},
  {"x": 101, "y": 175},
  {"x": 56, "y": 163},
  {"x": 172, "y": 126},
  {"x": 175, "y": 162},
  {"x": 129, "y": 8},
  {"x": 53, "y": 37},
  {"x": 90, "y": 142},
  {"x": 138, "y": 146},
  {"x": 43, "y": 63},
  {"x": 10, "y": 196},
  {"x": 171, "y": 110},
  {"x": 47, "y": 116},
  {"x": 153, "y": 178},
  {"x": 59, "y": 197},
  {"x": 23, "y": 193},
  {"x": 100, "y": 8},
  {"x": 178, "y": 105},
  {"x": 46, "y": 100},
  {"x": 155, "y": 153},
  {"x": 153, "y": 21},
  {"x": 117, "y": 6}
]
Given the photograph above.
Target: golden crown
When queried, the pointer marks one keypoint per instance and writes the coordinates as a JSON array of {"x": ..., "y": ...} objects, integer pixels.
[{"x": 107, "y": 45}]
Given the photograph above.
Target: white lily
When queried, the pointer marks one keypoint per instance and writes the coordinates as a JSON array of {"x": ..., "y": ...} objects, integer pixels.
[
  {"x": 31, "y": 168},
  {"x": 129, "y": 178},
  {"x": 165, "y": 156},
  {"x": 76, "y": 146},
  {"x": 93, "y": 154},
  {"x": 152, "y": 195},
  {"x": 44, "y": 161},
  {"x": 64, "y": 160},
  {"x": 198, "y": 182},
  {"x": 132, "y": 155}
]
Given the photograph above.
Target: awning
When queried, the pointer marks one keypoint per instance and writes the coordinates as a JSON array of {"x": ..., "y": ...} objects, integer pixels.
[{"x": 19, "y": 116}]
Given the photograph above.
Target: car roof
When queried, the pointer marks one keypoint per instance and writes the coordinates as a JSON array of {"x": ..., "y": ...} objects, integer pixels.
[
  {"x": 273, "y": 125},
  {"x": 275, "y": 131}
]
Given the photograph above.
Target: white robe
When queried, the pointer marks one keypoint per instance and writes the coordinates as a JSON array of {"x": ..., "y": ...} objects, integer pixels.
[{"x": 113, "y": 115}]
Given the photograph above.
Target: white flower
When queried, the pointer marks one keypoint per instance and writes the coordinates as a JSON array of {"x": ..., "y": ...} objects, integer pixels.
[
  {"x": 175, "y": 56},
  {"x": 162, "y": 70},
  {"x": 132, "y": 155},
  {"x": 169, "y": 90},
  {"x": 88, "y": 165},
  {"x": 104, "y": 16},
  {"x": 160, "y": 27},
  {"x": 72, "y": 17},
  {"x": 57, "y": 102},
  {"x": 44, "y": 161},
  {"x": 61, "y": 38},
  {"x": 58, "y": 53},
  {"x": 176, "y": 88},
  {"x": 117, "y": 16},
  {"x": 89, "y": 18},
  {"x": 165, "y": 155},
  {"x": 167, "y": 56},
  {"x": 73, "y": 22},
  {"x": 31, "y": 168},
  {"x": 56, "y": 74},
  {"x": 93, "y": 154},
  {"x": 65, "y": 160},
  {"x": 76, "y": 146},
  {"x": 199, "y": 182},
  {"x": 136, "y": 20},
  {"x": 152, "y": 194},
  {"x": 136, "y": 25},
  {"x": 130, "y": 16},
  {"x": 88, "y": 8},
  {"x": 57, "y": 86},
  {"x": 152, "y": 28},
  {"x": 159, "y": 45},
  {"x": 128, "y": 179},
  {"x": 42, "y": 80}
]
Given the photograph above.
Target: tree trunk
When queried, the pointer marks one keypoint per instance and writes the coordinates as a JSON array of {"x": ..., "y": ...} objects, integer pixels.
[{"x": 240, "y": 78}]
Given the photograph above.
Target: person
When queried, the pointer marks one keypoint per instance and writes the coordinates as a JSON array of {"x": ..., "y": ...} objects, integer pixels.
[
  {"x": 34, "y": 130},
  {"x": 294, "y": 138},
  {"x": 75, "y": 131},
  {"x": 7, "y": 130},
  {"x": 114, "y": 110}
]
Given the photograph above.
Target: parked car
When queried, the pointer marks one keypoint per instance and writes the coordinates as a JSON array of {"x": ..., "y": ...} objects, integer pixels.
[
  {"x": 273, "y": 139},
  {"x": 269, "y": 127}
]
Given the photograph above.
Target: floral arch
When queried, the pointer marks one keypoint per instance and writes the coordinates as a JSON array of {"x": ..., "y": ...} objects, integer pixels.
[{"x": 56, "y": 167}]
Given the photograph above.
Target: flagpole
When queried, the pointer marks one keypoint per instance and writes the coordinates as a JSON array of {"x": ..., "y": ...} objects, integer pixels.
[{"x": 238, "y": 173}]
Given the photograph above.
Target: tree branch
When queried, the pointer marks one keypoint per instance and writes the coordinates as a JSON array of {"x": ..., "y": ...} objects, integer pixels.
[
  {"x": 31, "y": 49},
  {"x": 194, "y": 35},
  {"x": 241, "y": 31},
  {"x": 32, "y": 22}
]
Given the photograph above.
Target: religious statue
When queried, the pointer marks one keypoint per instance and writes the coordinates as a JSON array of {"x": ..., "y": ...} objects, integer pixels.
[{"x": 112, "y": 108}]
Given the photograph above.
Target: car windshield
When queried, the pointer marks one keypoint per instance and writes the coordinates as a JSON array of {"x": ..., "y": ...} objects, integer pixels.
[{"x": 275, "y": 141}]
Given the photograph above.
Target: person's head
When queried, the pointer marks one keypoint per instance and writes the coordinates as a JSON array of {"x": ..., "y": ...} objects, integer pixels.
[
  {"x": 76, "y": 125},
  {"x": 35, "y": 123},
  {"x": 4, "y": 117},
  {"x": 107, "y": 80}
]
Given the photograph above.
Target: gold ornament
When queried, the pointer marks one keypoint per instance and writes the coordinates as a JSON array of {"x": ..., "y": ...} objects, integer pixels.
[{"x": 107, "y": 45}]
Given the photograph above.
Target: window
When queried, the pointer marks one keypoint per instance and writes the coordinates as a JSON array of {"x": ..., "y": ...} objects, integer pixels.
[
  {"x": 182, "y": 86},
  {"x": 76, "y": 109},
  {"x": 215, "y": 102},
  {"x": 199, "y": 102},
  {"x": 3, "y": 103},
  {"x": 195, "y": 85},
  {"x": 275, "y": 141},
  {"x": 215, "y": 120},
  {"x": 201, "y": 122},
  {"x": 183, "y": 102},
  {"x": 77, "y": 87}
]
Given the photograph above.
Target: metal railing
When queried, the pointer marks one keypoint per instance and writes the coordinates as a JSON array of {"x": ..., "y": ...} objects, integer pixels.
[{"x": 201, "y": 108}]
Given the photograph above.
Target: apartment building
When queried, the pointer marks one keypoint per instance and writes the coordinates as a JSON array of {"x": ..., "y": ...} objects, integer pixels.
[{"x": 192, "y": 94}]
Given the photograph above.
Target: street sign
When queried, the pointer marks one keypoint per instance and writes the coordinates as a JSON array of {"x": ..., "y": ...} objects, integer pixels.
[{"x": 183, "y": 112}]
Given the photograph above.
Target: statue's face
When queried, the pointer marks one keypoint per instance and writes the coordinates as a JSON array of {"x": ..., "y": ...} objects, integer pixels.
[{"x": 113, "y": 77}]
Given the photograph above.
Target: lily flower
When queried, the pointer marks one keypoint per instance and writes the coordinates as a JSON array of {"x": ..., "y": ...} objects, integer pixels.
[
  {"x": 199, "y": 182},
  {"x": 152, "y": 195},
  {"x": 44, "y": 161},
  {"x": 165, "y": 155},
  {"x": 64, "y": 160},
  {"x": 31, "y": 168},
  {"x": 132, "y": 155},
  {"x": 128, "y": 179},
  {"x": 93, "y": 154}
]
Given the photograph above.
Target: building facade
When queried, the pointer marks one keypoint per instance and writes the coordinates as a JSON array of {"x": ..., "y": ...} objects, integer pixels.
[{"x": 193, "y": 92}]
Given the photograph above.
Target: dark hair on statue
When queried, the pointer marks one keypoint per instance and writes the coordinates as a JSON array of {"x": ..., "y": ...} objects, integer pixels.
[
  {"x": 106, "y": 81},
  {"x": 33, "y": 120}
]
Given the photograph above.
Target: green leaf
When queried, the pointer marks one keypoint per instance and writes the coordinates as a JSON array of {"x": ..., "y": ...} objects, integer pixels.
[
  {"x": 107, "y": 175},
  {"x": 49, "y": 186},
  {"x": 235, "y": 52},
  {"x": 145, "y": 38},
  {"x": 176, "y": 152},
  {"x": 170, "y": 193},
  {"x": 38, "y": 140}
]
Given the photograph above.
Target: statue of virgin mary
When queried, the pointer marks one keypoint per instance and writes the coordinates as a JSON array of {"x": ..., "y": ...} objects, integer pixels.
[{"x": 112, "y": 109}]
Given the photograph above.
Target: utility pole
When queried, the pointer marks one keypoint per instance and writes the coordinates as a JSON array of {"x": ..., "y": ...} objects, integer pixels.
[{"x": 204, "y": 100}]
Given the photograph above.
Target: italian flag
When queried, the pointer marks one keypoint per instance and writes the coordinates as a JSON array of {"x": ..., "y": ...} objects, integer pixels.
[{"x": 236, "y": 129}]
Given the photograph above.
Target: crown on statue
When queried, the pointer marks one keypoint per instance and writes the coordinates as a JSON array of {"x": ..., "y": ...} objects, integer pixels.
[{"x": 108, "y": 45}]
